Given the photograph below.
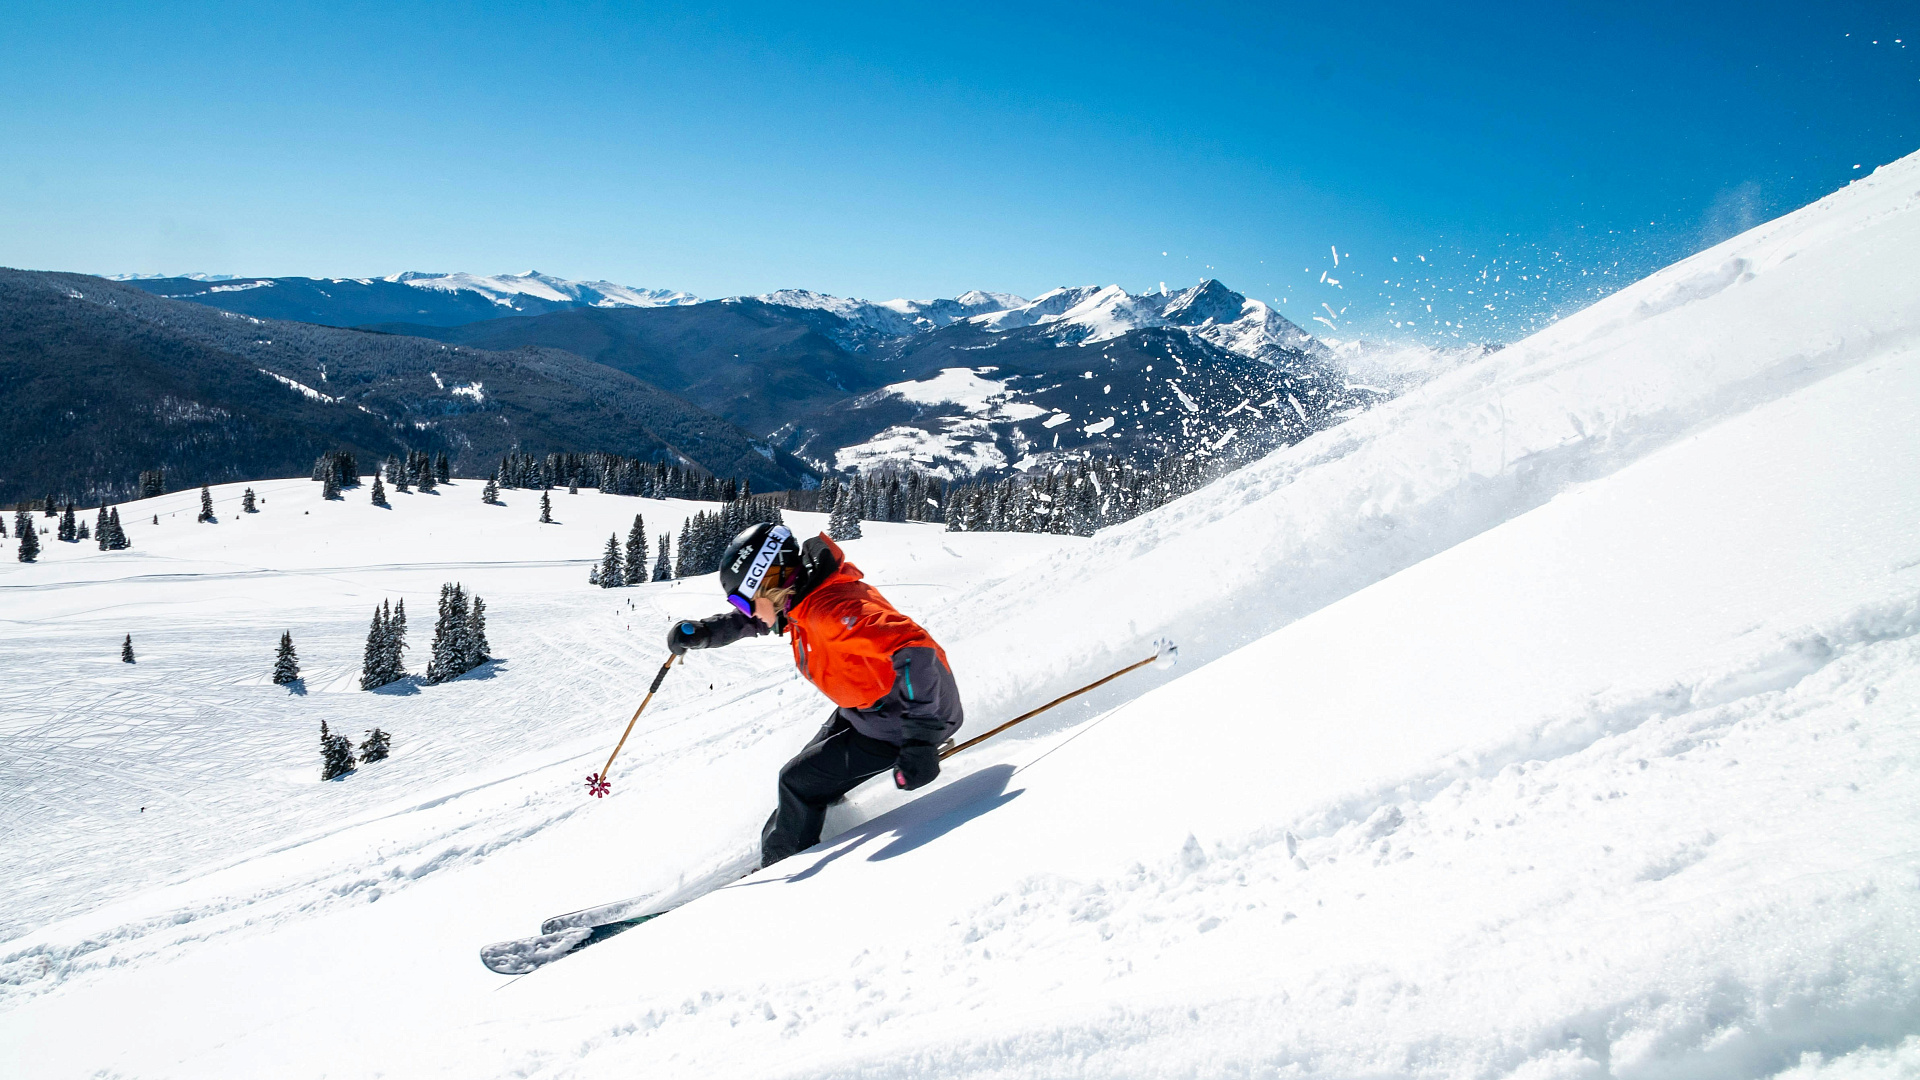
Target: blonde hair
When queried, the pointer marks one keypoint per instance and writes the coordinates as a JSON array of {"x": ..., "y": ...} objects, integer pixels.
[{"x": 779, "y": 586}]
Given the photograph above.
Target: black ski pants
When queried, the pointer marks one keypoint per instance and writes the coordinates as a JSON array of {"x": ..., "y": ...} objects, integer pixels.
[{"x": 838, "y": 760}]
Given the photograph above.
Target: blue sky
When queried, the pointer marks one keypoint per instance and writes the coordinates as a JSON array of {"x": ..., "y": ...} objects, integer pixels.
[{"x": 887, "y": 151}]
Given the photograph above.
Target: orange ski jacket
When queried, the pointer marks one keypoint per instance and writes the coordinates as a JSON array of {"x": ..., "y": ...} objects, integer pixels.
[{"x": 845, "y": 634}]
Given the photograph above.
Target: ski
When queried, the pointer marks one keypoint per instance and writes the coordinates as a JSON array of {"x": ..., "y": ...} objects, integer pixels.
[
  {"x": 603, "y": 915},
  {"x": 521, "y": 955},
  {"x": 564, "y": 935}
]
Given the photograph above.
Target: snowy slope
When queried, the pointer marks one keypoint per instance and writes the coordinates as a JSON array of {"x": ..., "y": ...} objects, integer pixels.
[{"x": 1556, "y": 719}]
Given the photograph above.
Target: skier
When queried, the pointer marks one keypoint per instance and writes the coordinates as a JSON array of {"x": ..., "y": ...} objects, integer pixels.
[{"x": 895, "y": 697}]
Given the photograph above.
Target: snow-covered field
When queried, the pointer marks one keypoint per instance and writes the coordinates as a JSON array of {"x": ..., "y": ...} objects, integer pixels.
[{"x": 1560, "y": 718}]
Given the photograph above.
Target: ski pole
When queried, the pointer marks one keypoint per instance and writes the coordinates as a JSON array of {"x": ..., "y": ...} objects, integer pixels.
[
  {"x": 1166, "y": 656},
  {"x": 597, "y": 783}
]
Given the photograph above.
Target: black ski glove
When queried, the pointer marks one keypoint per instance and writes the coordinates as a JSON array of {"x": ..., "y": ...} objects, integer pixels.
[
  {"x": 685, "y": 635},
  {"x": 919, "y": 765}
]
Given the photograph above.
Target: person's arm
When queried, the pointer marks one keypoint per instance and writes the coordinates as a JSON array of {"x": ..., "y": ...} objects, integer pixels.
[
  {"x": 929, "y": 711},
  {"x": 712, "y": 632}
]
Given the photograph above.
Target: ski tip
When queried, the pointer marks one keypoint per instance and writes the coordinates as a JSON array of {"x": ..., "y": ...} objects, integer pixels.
[{"x": 526, "y": 954}]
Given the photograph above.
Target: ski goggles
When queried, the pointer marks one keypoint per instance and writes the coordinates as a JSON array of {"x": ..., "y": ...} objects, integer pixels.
[{"x": 742, "y": 597}]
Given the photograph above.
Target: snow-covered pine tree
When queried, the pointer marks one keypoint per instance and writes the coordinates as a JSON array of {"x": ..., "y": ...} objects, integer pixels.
[
  {"x": 375, "y": 746},
  {"x": 443, "y": 469},
  {"x": 397, "y": 640},
  {"x": 83, "y": 534},
  {"x": 126, "y": 650},
  {"x": 329, "y": 486},
  {"x": 546, "y": 509},
  {"x": 336, "y": 754},
  {"x": 119, "y": 541},
  {"x": 101, "y": 532},
  {"x": 427, "y": 477},
  {"x": 153, "y": 482},
  {"x": 491, "y": 493},
  {"x": 69, "y": 532},
  {"x": 636, "y": 560},
  {"x": 3, "y": 528},
  {"x": 573, "y": 488},
  {"x": 612, "y": 575},
  {"x": 379, "y": 491},
  {"x": 436, "y": 658},
  {"x": 392, "y": 468},
  {"x": 479, "y": 650},
  {"x": 683, "y": 565},
  {"x": 206, "y": 504},
  {"x": 663, "y": 566},
  {"x": 29, "y": 536},
  {"x": 593, "y": 575},
  {"x": 49, "y": 508},
  {"x": 246, "y": 502},
  {"x": 450, "y": 644},
  {"x": 843, "y": 522},
  {"x": 286, "y": 663},
  {"x": 373, "y": 661},
  {"x": 402, "y": 479}
]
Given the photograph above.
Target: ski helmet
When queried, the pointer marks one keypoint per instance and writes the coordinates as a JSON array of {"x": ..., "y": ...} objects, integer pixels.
[{"x": 744, "y": 565}]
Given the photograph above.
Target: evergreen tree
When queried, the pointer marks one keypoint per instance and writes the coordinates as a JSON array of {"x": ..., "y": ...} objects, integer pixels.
[
  {"x": 48, "y": 508},
  {"x": 329, "y": 486},
  {"x": 593, "y": 574},
  {"x": 663, "y": 566},
  {"x": 119, "y": 541},
  {"x": 491, "y": 493},
  {"x": 611, "y": 574},
  {"x": 393, "y": 471},
  {"x": 397, "y": 640},
  {"x": 683, "y": 566},
  {"x": 452, "y": 647},
  {"x": 424, "y": 470},
  {"x": 286, "y": 664},
  {"x": 246, "y": 502},
  {"x": 126, "y": 650},
  {"x": 546, "y": 509},
  {"x": 102, "y": 532},
  {"x": 68, "y": 531},
  {"x": 3, "y": 528},
  {"x": 153, "y": 482},
  {"x": 83, "y": 534},
  {"x": 843, "y": 522},
  {"x": 29, "y": 536},
  {"x": 336, "y": 754},
  {"x": 479, "y": 650},
  {"x": 379, "y": 491},
  {"x": 636, "y": 561},
  {"x": 401, "y": 479},
  {"x": 206, "y": 504},
  {"x": 373, "y": 663},
  {"x": 375, "y": 746},
  {"x": 443, "y": 469}
]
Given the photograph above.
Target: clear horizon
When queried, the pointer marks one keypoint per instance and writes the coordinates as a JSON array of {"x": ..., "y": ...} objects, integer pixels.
[{"x": 1538, "y": 159}]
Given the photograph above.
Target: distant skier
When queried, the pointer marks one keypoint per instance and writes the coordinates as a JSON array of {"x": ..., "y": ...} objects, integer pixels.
[{"x": 895, "y": 696}]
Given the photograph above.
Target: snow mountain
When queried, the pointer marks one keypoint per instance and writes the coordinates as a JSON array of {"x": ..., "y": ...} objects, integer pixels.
[
  {"x": 867, "y": 322},
  {"x": 1209, "y": 310},
  {"x": 514, "y": 290},
  {"x": 1558, "y": 718},
  {"x": 850, "y": 383},
  {"x": 990, "y": 401},
  {"x": 411, "y": 297},
  {"x": 104, "y": 380}
]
